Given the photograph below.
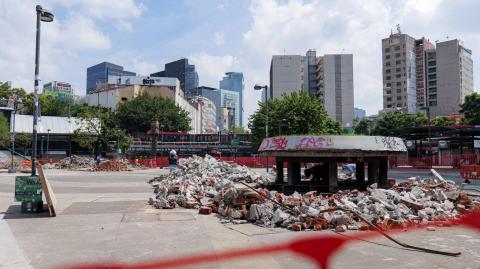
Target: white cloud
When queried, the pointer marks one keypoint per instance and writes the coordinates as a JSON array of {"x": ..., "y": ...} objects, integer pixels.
[
  {"x": 354, "y": 26},
  {"x": 211, "y": 68},
  {"x": 218, "y": 38},
  {"x": 64, "y": 42},
  {"x": 118, "y": 9}
]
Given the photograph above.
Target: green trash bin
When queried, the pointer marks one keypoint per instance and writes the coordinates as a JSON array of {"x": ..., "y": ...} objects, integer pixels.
[{"x": 28, "y": 190}]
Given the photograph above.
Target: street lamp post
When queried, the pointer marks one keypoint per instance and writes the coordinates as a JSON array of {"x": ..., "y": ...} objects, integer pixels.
[
  {"x": 258, "y": 88},
  {"x": 45, "y": 16}
]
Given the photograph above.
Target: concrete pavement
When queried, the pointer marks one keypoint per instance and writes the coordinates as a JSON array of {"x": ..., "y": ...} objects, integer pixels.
[{"x": 104, "y": 217}]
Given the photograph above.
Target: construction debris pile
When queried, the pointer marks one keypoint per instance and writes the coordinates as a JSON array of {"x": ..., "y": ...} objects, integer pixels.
[
  {"x": 209, "y": 186},
  {"x": 75, "y": 162},
  {"x": 110, "y": 166}
]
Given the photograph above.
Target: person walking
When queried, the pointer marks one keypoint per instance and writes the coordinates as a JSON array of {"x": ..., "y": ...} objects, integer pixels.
[{"x": 172, "y": 160}]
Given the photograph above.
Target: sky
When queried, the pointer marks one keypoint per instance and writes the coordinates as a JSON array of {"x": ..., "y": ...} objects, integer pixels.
[{"x": 220, "y": 36}]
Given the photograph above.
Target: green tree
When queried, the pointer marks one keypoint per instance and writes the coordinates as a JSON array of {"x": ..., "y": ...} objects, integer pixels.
[
  {"x": 362, "y": 127},
  {"x": 50, "y": 104},
  {"x": 99, "y": 128},
  {"x": 298, "y": 113},
  {"x": 442, "y": 121},
  {"x": 135, "y": 115},
  {"x": 4, "y": 131},
  {"x": 395, "y": 120},
  {"x": 471, "y": 109}
]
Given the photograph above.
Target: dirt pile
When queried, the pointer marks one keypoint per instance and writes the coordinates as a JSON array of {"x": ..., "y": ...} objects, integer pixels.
[{"x": 111, "y": 166}]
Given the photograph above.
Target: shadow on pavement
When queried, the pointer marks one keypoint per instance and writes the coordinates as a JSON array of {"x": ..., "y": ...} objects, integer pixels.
[{"x": 14, "y": 212}]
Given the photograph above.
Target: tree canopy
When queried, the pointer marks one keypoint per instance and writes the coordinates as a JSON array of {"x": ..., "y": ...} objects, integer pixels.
[
  {"x": 471, "y": 109},
  {"x": 102, "y": 122},
  {"x": 362, "y": 127},
  {"x": 297, "y": 113},
  {"x": 442, "y": 121},
  {"x": 4, "y": 131},
  {"x": 395, "y": 120},
  {"x": 136, "y": 115}
]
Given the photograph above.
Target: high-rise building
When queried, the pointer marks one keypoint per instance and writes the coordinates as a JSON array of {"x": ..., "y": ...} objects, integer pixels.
[
  {"x": 208, "y": 116},
  {"x": 450, "y": 77},
  {"x": 422, "y": 45},
  {"x": 98, "y": 74},
  {"x": 183, "y": 71},
  {"x": 335, "y": 86},
  {"x": 233, "y": 81},
  {"x": 286, "y": 75},
  {"x": 62, "y": 89},
  {"x": 399, "y": 73},
  {"x": 328, "y": 77},
  {"x": 359, "y": 113},
  {"x": 223, "y": 99}
]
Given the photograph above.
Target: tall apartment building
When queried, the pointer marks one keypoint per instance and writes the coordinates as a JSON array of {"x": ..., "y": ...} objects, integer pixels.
[
  {"x": 335, "y": 86},
  {"x": 233, "y": 81},
  {"x": 399, "y": 73},
  {"x": 422, "y": 45},
  {"x": 329, "y": 78},
  {"x": 98, "y": 74},
  {"x": 418, "y": 75},
  {"x": 449, "y": 77},
  {"x": 286, "y": 75},
  {"x": 182, "y": 70}
]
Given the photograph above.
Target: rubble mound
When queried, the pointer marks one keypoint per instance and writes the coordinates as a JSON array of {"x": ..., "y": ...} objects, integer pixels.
[
  {"x": 75, "y": 162},
  {"x": 209, "y": 185},
  {"x": 110, "y": 166}
]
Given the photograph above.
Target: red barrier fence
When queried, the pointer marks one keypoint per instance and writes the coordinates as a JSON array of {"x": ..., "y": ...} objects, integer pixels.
[
  {"x": 470, "y": 172},
  {"x": 455, "y": 161},
  {"x": 254, "y": 162}
]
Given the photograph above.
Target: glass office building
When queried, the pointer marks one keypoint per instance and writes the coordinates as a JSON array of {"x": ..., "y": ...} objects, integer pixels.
[
  {"x": 186, "y": 74},
  {"x": 233, "y": 81},
  {"x": 98, "y": 74}
]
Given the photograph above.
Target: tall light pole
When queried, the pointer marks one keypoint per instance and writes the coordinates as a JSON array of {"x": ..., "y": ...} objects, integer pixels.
[
  {"x": 258, "y": 88},
  {"x": 45, "y": 16}
]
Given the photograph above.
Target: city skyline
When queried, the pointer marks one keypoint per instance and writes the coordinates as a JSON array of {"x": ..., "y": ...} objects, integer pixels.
[{"x": 127, "y": 33}]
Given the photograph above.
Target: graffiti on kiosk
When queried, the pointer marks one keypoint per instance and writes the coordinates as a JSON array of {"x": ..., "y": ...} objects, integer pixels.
[
  {"x": 390, "y": 143},
  {"x": 274, "y": 143},
  {"x": 313, "y": 142}
]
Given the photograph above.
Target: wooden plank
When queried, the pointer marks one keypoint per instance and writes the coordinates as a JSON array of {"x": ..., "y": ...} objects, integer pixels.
[{"x": 47, "y": 191}]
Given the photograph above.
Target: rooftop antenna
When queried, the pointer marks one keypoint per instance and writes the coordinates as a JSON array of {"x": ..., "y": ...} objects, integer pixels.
[
  {"x": 398, "y": 29},
  {"x": 447, "y": 37},
  {"x": 284, "y": 51}
]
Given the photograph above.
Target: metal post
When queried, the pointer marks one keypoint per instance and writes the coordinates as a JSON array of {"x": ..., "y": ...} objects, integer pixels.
[
  {"x": 266, "y": 117},
  {"x": 429, "y": 137},
  {"x": 48, "y": 142},
  {"x": 35, "y": 95},
  {"x": 12, "y": 168}
]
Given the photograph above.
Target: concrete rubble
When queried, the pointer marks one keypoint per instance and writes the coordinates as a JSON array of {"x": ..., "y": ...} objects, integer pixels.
[
  {"x": 205, "y": 183},
  {"x": 74, "y": 162}
]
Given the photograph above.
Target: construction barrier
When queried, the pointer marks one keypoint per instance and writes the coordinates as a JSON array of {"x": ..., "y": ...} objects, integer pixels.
[
  {"x": 454, "y": 161},
  {"x": 252, "y": 162},
  {"x": 470, "y": 172}
]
